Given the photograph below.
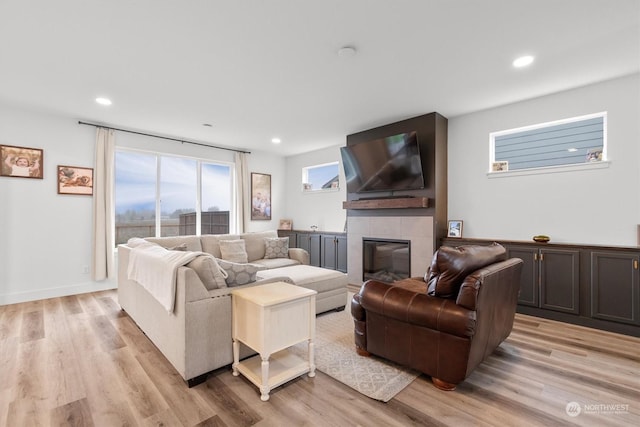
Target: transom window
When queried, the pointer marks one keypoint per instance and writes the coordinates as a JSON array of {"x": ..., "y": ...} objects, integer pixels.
[
  {"x": 572, "y": 141},
  {"x": 324, "y": 177}
]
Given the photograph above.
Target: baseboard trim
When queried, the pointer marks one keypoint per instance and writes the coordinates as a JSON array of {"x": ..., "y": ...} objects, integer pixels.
[{"x": 61, "y": 291}]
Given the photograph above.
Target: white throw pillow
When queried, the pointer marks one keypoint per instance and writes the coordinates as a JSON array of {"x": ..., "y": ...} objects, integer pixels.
[
  {"x": 239, "y": 274},
  {"x": 207, "y": 268},
  {"x": 233, "y": 250},
  {"x": 276, "y": 247}
]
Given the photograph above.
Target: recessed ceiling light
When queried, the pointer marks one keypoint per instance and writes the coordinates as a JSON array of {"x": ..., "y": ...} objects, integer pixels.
[
  {"x": 347, "y": 52},
  {"x": 276, "y": 140},
  {"x": 523, "y": 61},
  {"x": 103, "y": 101},
  {"x": 572, "y": 150}
]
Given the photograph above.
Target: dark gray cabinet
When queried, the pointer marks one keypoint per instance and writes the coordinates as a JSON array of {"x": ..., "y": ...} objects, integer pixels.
[
  {"x": 550, "y": 277},
  {"x": 334, "y": 252},
  {"x": 327, "y": 250},
  {"x": 310, "y": 242},
  {"x": 589, "y": 285},
  {"x": 615, "y": 287}
]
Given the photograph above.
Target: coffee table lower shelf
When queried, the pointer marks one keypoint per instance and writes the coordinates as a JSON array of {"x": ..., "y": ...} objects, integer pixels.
[{"x": 283, "y": 366}]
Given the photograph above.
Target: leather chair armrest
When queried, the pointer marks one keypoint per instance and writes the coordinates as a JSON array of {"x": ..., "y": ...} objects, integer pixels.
[
  {"x": 357, "y": 311},
  {"x": 420, "y": 309}
]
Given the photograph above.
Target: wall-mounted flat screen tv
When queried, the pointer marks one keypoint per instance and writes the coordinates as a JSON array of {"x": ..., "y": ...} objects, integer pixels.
[{"x": 386, "y": 164}]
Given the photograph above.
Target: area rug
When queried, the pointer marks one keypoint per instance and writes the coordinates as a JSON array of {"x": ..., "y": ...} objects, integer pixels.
[{"x": 336, "y": 356}]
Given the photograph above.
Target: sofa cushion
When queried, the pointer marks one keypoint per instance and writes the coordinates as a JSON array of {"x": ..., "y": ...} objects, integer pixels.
[
  {"x": 450, "y": 266},
  {"x": 239, "y": 274},
  {"x": 254, "y": 243},
  {"x": 276, "y": 262},
  {"x": 276, "y": 247},
  {"x": 233, "y": 250},
  {"x": 211, "y": 242},
  {"x": 209, "y": 272},
  {"x": 315, "y": 278}
]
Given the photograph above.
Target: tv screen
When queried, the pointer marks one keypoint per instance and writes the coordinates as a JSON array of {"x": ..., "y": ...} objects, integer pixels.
[{"x": 386, "y": 164}]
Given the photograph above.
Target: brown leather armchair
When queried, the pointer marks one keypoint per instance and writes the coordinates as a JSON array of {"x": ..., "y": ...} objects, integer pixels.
[{"x": 446, "y": 323}]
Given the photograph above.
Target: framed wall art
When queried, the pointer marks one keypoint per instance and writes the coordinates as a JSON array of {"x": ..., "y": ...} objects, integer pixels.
[
  {"x": 455, "y": 228},
  {"x": 21, "y": 162},
  {"x": 75, "y": 180},
  {"x": 260, "y": 196}
]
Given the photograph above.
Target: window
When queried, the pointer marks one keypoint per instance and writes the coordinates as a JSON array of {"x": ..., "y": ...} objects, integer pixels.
[
  {"x": 158, "y": 195},
  {"x": 321, "y": 177},
  {"x": 574, "y": 141}
]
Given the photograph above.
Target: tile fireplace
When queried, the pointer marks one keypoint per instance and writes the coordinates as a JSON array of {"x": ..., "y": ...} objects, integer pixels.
[{"x": 417, "y": 231}]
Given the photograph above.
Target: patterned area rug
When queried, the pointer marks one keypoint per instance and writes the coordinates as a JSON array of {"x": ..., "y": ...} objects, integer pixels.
[{"x": 336, "y": 356}]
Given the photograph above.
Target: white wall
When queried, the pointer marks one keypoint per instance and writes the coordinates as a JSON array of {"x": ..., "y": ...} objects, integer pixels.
[
  {"x": 598, "y": 206},
  {"x": 45, "y": 238},
  {"x": 323, "y": 209}
]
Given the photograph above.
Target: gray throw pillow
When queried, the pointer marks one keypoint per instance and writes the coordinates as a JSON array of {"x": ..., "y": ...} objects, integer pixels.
[
  {"x": 233, "y": 250},
  {"x": 207, "y": 268},
  {"x": 239, "y": 274},
  {"x": 276, "y": 247}
]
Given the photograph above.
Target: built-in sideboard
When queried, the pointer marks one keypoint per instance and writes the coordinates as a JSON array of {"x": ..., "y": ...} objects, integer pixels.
[
  {"x": 326, "y": 249},
  {"x": 588, "y": 285}
]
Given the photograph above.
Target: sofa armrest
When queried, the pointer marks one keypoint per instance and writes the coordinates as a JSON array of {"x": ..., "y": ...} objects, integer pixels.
[
  {"x": 436, "y": 313},
  {"x": 300, "y": 255}
]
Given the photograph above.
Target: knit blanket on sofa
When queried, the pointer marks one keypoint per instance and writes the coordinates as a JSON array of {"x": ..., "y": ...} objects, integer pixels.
[{"x": 156, "y": 269}]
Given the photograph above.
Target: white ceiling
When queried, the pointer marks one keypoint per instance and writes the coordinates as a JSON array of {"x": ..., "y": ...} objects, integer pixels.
[{"x": 264, "y": 68}]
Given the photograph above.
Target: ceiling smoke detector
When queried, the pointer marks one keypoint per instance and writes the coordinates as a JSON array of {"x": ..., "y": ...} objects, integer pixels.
[{"x": 347, "y": 52}]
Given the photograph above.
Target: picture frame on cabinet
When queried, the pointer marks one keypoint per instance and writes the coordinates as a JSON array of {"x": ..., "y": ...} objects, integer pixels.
[
  {"x": 455, "y": 229},
  {"x": 285, "y": 224},
  {"x": 21, "y": 162},
  {"x": 75, "y": 180}
]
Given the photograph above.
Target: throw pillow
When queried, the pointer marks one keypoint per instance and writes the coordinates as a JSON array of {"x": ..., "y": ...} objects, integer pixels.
[
  {"x": 207, "y": 268},
  {"x": 450, "y": 266},
  {"x": 239, "y": 274},
  {"x": 233, "y": 250},
  {"x": 276, "y": 247}
]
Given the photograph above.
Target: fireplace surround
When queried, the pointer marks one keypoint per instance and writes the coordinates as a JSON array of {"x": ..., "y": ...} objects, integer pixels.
[{"x": 418, "y": 230}]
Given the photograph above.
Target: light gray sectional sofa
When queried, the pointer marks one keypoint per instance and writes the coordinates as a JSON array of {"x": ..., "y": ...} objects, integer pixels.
[{"x": 196, "y": 336}]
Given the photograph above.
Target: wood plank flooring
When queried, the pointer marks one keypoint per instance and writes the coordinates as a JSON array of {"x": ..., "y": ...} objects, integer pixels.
[{"x": 81, "y": 361}]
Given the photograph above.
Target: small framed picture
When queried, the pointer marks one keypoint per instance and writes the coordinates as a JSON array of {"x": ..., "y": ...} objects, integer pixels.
[
  {"x": 285, "y": 224},
  {"x": 455, "y": 228},
  {"x": 500, "y": 166},
  {"x": 75, "y": 180},
  {"x": 21, "y": 162}
]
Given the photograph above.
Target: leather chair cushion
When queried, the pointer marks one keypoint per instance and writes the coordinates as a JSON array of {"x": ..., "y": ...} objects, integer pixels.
[{"x": 450, "y": 266}]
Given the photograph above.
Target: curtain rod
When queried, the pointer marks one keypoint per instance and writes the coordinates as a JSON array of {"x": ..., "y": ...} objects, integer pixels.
[{"x": 163, "y": 137}]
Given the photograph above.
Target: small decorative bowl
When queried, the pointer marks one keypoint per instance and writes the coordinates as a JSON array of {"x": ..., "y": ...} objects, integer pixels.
[{"x": 541, "y": 239}]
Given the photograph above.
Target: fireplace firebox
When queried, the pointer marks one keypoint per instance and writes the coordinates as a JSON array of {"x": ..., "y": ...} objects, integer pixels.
[{"x": 386, "y": 260}]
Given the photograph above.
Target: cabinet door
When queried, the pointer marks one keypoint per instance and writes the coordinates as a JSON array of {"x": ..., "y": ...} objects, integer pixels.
[
  {"x": 311, "y": 243},
  {"x": 328, "y": 251},
  {"x": 341, "y": 256},
  {"x": 529, "y": 288},
  {"x": 560, "y": 280},
  {"x": 291, "y": 235},
  {"x": 615, "y": 287}
]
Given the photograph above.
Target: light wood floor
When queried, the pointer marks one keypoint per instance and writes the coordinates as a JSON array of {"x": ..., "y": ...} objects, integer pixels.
[{"x": 81, "y": 361}]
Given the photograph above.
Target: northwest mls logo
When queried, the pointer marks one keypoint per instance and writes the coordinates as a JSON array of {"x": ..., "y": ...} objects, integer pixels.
[{"x": 573, "y": 409}]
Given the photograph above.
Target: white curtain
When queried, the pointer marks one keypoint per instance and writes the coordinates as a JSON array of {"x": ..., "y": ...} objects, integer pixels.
[
  {"x": 103, "y": 227},
  {"x": 242, "y": 180}
]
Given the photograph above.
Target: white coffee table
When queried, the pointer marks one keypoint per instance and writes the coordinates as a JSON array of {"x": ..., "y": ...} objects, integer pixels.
[{"x": 269, "y": 319}]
